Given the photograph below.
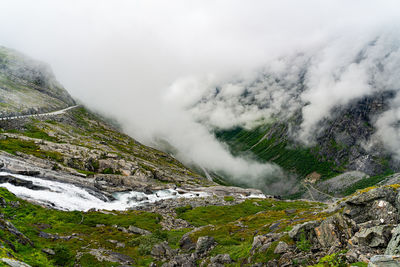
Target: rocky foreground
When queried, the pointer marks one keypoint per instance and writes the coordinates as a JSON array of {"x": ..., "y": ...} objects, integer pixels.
[{"x": 223, "y": 229}]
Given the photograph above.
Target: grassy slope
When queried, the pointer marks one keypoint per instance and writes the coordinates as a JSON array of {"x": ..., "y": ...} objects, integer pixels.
[
  {"x": 89, "y": 133},
  {"x": 278, "y": 149},
  {"x": 233, "y": 228}
]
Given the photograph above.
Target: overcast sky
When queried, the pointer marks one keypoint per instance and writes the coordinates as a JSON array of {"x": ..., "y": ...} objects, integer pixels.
[{"x": 145, "y": 62}]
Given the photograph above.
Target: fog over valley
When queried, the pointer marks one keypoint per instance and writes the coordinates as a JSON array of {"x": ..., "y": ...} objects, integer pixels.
[{"x": 178, "y": 72}]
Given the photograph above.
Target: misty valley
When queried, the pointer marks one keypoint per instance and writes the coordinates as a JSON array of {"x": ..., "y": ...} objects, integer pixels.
[{"x": 168, "y": 134}]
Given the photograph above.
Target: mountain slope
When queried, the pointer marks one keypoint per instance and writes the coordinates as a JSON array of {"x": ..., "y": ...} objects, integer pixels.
[{"x": 28, "y": 86}]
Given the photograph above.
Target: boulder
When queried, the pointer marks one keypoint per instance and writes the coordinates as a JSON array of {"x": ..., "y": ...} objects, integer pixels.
[
  {"x": 204, "y": 244},
  {"x": 162, "y": 250},
  {"x": 181, "y": 260},
  {"x": 374, "y": 237},
  {"x": 335, "y": 231},
  {"x": 14, "y": 263},
  {"x": 384, "y": 261},
  {"x": 186, "y": 242},
  {"x": 49, "y": 251},
  {"x": 221, "y": 259},
  {"x": 306, "y": 228},
  {"x": 136, "y": 230},
  {"x": 393, "y": 247},
  {"x": 375, "y": 204},
  {"x": 258, "y": 241},
  {"x": 281, "y": 248}
]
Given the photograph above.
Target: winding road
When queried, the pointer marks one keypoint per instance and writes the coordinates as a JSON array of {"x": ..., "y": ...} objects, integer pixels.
[{"x": 54, "y": 113}]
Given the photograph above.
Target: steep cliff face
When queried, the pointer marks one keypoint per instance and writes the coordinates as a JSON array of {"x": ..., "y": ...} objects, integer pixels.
[{"x": 28, "y": 86}]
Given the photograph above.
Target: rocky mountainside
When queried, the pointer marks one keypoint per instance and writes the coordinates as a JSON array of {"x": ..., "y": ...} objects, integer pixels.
[
  {"x": 85, "y": 194},
  {"x": 346, "y": 131},
  {"x": 28, "y": 86},
  {"x": 224, "y": 229}
]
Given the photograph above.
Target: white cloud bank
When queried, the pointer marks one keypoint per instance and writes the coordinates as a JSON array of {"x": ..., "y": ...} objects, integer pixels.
[{"x": 149, "y": 62}]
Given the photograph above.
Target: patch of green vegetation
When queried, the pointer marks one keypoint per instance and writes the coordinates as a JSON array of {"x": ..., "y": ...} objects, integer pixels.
[
  {"x": 110, "y": 171},
  {"x": 269, "y": 144},
  {"x": 365, "y": 183},
  {"x": 91, "y": 261},
  {"x": 333, "y": 260},
  {"x": 34, "y": 132},
  {"x": 303, "y": 244},
  {"x": 223, "y": 214},
  {"x": 229, "y": 198},
  {"x": 14, "y": 145},
  {"x": 181, "y": 210},
  {"x": 31, "y": 219}
]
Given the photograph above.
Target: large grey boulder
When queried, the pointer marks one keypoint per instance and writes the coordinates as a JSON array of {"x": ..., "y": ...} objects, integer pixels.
[
  {"x": 374, "y": 237},
  {"x": 335, "y": 231},
  {"x": 162, "y": 250},
  {"x": 14, "y": 263},
  {"x": 221, "y": 259},
  {"x": 136, "y": 230},
  {"x": 186, "y": 260},
  {"x": 281, "y": 248},
  {"x": 377, "y": 204},
  {"x": 393, "y": 247},
  {"x": 204, "y": 244},
  {"x": 186, "y": 242},
  {"x": 384, "y": 261},
  {"x": 306, "y": 229}
]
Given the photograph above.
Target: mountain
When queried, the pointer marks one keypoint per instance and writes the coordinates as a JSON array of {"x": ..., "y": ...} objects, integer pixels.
[
  {"x": 76, "y": 191},
  {"x": 28, "y": 86},
  {"x": 315, "y": 125}
]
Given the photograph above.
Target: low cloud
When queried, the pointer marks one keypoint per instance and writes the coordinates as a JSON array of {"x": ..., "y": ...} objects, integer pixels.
[{"x": 175, "y": 69}]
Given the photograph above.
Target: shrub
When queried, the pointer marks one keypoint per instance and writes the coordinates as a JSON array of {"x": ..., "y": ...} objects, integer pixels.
[{"x": 303, "y": 244}]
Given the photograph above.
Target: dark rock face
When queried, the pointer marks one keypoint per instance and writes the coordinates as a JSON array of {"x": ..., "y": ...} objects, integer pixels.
[
  {"x": 335, "y": 231},
  {"x": 350, "y": 127},
  {"x": 19, "y": 182},
  {"x": 376, "y": 204}
]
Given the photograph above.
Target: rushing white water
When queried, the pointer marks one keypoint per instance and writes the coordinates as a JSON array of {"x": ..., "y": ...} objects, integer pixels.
[{"x": 65, "y": 196}]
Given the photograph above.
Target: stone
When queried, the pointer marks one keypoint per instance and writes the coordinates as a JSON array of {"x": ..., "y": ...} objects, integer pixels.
[
  {"x": 221, "y": 259},
  {"x": 186, "y": 242},
  {"x": 335, "y": 231},
  {"x": 258, "y": 241},
  {"x": 359, "y": 207},
  {"x": 14, "y": 263},
  {"x": 136, "y": 230},
  {"x": 281, "y": 248},
  {"x": 265, "y": 247},
  {"x": 204, "y": 244},
  {"x": 393, "y": 248},
  {"x": 49, "y": 251},
  {"x": 306, "y": 228},
  {"x": 384, "y": 261},
  {"x": 181, "y": 260},
  {"x": 162, "y": 250},
  {"x": 102, "y": 254},
  {"x": 377, "y": 236}
]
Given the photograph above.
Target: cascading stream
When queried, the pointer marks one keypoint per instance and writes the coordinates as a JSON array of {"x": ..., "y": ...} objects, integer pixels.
[{"x": 70, "y": 197}]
